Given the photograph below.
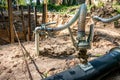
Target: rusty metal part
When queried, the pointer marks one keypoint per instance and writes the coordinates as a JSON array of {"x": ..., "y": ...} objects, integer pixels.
[{"x": 82, "y": 56}]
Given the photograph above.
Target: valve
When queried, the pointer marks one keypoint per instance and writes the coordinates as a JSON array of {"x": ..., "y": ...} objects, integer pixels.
[
  {"x": 44, "y": 31},
  {"x": 82, "y": 44}
]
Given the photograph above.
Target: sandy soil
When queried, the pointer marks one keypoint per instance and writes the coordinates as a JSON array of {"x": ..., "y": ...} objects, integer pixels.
[{"x": 56, "y": 54}]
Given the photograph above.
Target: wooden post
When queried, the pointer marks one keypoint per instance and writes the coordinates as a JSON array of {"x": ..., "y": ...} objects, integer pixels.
[
  {"x": 29, "y": 23},
  {"x": 17, "y": 5},
  {"x": 35, "y": 16},
  {"x": 23, "y": 23},
  {"x": 44, "y": 16},
  {"x": 10, "y": 20}
]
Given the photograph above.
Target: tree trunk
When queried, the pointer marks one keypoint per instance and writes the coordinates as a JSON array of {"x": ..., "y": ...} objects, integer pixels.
[
  {"x": 11, "y": 21},
  {"x": 52, "y": 1},
  {"x": 81, "y": 1},
  {"x": 70, "y": 2},
  {"x": 64, "y": 2},
  {"x": 35, "y": 16},
  {"x": 75, "y": 2}
]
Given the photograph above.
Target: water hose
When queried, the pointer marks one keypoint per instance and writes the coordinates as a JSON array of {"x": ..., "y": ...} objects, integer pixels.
[{"x": 114, "y": 18}]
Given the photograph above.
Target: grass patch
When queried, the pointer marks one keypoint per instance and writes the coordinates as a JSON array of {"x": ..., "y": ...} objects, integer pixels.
[{"x": 117, "y": 8}]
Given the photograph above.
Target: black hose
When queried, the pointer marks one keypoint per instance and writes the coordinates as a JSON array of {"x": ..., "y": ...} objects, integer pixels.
[{"x": 95, "y": 69}]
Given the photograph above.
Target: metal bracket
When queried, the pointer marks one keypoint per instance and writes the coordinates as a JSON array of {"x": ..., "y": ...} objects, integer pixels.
[{"x": 86, "y": 67}]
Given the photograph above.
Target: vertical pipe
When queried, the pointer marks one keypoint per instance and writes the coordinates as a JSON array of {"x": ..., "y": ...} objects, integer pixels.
[
  {"x": 10, "y": 20},
  {"x": 36, "y": 43},
  {"x": 29, "y": 23},
  {"x": 44, "y": 17},
  {"x": 81, "y": 22}
]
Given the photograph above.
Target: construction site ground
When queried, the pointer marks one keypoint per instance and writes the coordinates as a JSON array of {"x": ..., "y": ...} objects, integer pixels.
[{"x": 56, "y": 54}]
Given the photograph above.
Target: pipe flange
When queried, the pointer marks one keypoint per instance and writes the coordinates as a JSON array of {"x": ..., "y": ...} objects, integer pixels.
[{"x": 84, "y": 45}]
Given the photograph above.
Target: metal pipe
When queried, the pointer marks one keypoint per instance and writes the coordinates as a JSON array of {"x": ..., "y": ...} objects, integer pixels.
[
  {"x": 91, "y": 34},
  {"x": 36, "y": 42},
  {"x": 81, "y": 22},
  {"x": 61, "y": 27},
  {"x": 92, "y": 70},
  {"x": 107, "y": 20}
]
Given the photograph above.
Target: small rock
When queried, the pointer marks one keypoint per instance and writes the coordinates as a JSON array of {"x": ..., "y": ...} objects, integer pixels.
[
  {"x": 51, "y": 69},
  {"x": 72, "y": 63},
  {"x": 50, "y": 73},
  {"x": 1, "y": 54},
  {"x": 17, "y": 56},
  {"x": 4, "y": 68},
  {"x": 9, "y": 71},
  {"x": 15, "y": 65}
]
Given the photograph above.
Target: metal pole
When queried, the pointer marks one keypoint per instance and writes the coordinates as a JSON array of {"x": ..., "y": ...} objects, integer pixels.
[{"x": 10, "y": 20}]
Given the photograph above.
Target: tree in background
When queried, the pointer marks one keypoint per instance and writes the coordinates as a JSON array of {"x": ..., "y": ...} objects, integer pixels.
[{"x": 3, "y": 4}]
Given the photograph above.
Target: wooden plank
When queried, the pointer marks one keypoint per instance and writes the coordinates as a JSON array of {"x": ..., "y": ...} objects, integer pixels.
[
  {"x": 44, "y": 16},
  {"x": 23, "y": 23},
  {"x": 35, "y": 16},
  {"x": 29, "y": 23},
  {"x": 10, "y": 20}
]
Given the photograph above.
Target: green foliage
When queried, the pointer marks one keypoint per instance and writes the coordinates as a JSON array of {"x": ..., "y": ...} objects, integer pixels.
[
  {"x": 61, "y": 8},
  {"x": 57, "y": 8},
  {"x": 38, "y": 2},
  {"x": 3, "y": 3},
  {"x": 100, "y": 4},
  {"x": 118, "y": 10},
  {"x": 22, "y": 2},
  {"x": 89, "y": 7},
  {"x": 116, "y": 6}
]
